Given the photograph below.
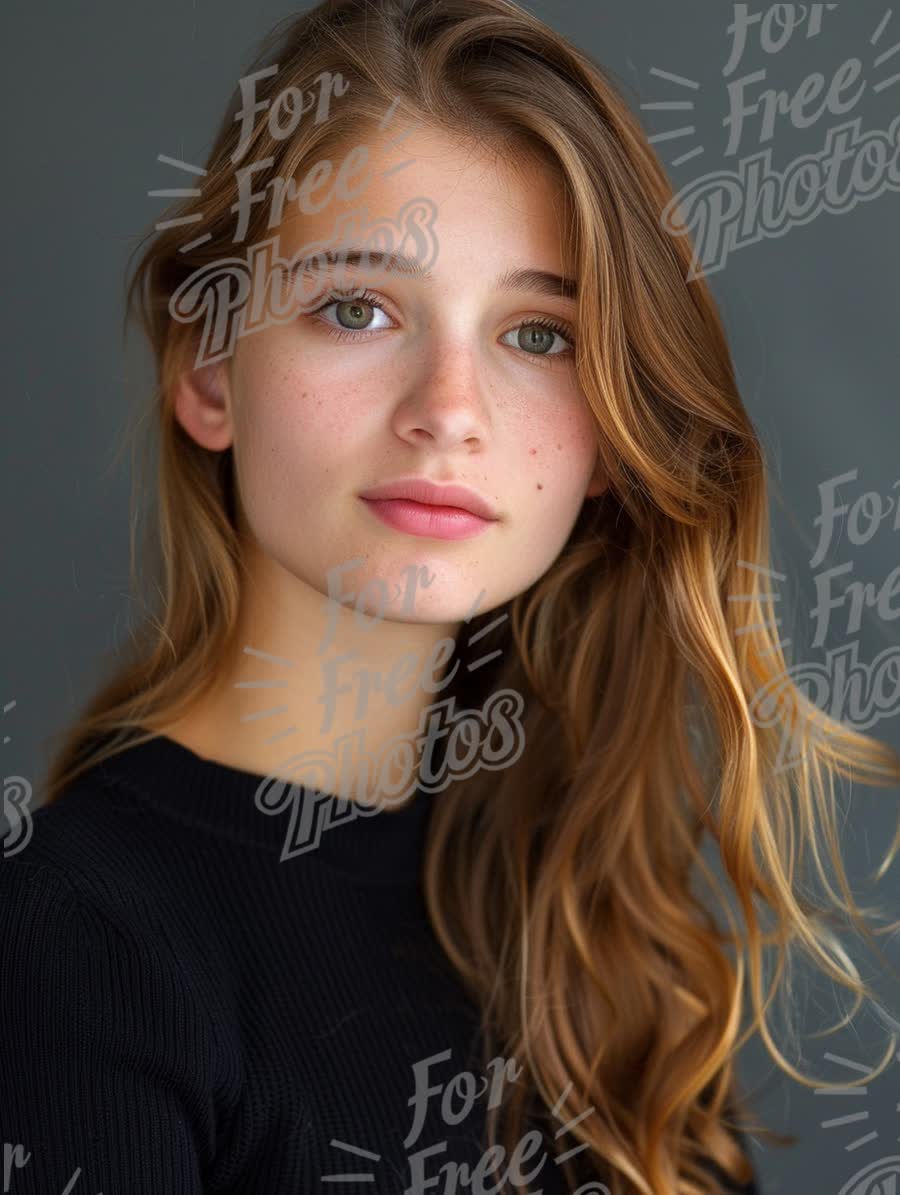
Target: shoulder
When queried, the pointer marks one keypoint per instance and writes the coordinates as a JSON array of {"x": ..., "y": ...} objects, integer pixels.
[
  {"x": 102, "y": 896},
  {"x": 97, "y": 846},
  {"x": 98, "y": 940},
  {"x": 79, "y": 941},
  {"x": 111, "y": 1058}
]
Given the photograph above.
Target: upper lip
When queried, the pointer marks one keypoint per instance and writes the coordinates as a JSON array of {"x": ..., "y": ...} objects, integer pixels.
[{"x": 420, "y": 489}]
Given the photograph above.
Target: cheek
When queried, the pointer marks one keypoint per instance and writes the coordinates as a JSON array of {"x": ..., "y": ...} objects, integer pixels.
[
  {"x": 559, "y": 453},
  {"x": 294, "y": 439},
  {"x": 292, "y": 418}
]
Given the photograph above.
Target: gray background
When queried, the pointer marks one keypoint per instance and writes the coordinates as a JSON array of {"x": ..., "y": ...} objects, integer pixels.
[{"x": 94, "y": 92}]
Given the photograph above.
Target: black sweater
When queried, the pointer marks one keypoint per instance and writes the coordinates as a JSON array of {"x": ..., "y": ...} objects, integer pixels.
[{"x": 182, "y": 1010}]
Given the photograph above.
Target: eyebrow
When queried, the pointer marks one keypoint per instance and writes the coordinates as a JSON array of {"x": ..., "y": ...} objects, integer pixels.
[{"x": 536, "y": 281}]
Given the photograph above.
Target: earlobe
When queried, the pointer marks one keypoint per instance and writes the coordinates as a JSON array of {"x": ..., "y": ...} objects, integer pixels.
[
  {"x": 203, "y": 405},
  {"x": 598, "y": 483}
]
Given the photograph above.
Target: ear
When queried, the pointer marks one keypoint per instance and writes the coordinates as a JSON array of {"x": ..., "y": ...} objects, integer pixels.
[
  {"x": 599, "y": 481},
  {"x": 203, "y": 405}
]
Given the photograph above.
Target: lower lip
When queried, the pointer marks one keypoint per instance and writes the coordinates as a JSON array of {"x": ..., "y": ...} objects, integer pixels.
[{"x": 434, "y": 522}]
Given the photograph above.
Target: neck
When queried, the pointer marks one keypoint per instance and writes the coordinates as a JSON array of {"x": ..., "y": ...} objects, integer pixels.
[{"x": 323, "y": 693}]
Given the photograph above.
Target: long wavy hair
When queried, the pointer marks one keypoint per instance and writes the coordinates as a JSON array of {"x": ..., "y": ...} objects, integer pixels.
[{"x": 658, "y": 698}]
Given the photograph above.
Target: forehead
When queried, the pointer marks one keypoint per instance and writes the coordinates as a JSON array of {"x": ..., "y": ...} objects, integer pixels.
[{"x": 486, "y": 204}]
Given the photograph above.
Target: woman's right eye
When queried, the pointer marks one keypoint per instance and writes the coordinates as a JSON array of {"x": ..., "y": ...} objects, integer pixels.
[{"x": 352, "y": 313}]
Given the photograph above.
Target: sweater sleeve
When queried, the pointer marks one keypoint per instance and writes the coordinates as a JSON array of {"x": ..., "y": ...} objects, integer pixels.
[{"x": 104, "y": 1059}]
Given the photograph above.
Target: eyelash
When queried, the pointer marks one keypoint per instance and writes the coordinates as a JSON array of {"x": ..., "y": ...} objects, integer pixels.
[{"x": 371, "y": 299}]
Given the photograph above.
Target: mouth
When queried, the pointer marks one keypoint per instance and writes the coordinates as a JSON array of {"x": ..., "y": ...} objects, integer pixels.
[
  {"x": 427, "y": 519},
  {"x": 430, "y": 493}
]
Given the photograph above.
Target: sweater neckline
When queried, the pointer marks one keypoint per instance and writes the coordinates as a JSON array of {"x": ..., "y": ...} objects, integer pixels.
[{"x": 382, "y": 846}]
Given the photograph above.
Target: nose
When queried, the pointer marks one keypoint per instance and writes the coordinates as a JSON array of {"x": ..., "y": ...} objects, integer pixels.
[{"x": 444, "y": 401}]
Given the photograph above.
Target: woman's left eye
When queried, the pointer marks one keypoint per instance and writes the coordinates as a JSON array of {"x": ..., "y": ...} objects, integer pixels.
[{"x": 535, "y": 337}]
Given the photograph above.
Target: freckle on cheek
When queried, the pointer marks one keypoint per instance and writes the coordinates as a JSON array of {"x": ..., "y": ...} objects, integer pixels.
[
  {"x": 539, "y": 486},
  {"x": 532, "y": 452}
]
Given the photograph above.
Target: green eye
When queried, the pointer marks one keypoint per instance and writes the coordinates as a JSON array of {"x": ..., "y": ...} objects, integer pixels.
[
  {"x": 352, "y": 309},
  {"x": 537, "y": 336}
]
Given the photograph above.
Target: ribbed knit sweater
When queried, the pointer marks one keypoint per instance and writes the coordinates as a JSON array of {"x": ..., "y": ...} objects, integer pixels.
[{"x": 182, "y": 1010}]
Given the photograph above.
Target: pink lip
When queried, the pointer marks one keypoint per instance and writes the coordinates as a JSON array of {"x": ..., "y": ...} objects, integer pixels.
[
  {"x": 422, "y": 507},
  {"x": 422, "y": 491},
  {"x": 422, "y": 518}
]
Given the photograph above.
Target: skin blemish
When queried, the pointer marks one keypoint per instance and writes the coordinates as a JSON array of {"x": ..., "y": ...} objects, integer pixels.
[
  {"x": 532, "y": 451},
  {"x": 539, "y": 486}
]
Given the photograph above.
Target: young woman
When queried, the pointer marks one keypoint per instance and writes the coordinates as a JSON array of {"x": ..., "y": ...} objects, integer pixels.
[{"x": 372, "y": 866}]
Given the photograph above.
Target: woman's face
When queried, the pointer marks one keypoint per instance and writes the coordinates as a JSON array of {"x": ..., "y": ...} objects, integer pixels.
[{"x": 425, "y": 378}]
